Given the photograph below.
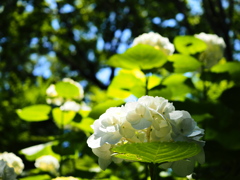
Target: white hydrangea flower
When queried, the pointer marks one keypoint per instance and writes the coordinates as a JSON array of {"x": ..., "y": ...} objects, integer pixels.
[
  {"x": 47, "y": 163},
  {"x": 6, "y": 172},
  {"x": 51, "y": 91},
  {"x": 184, "y": 127},
  {"x": 214, "y": 51},
  {"x": 110, "y": 128},
  {"x": 70, "y": 106},
  {"x": 155, "y": 40},
  {"x": 138, "y": 115},
  {"x": 150, "y": 119},
  {"x": 13, "y": 161},
  {"x": 185, "y": 167},
  {"x": 160, "y": 109},
  {"x": 52, "y": 96}
]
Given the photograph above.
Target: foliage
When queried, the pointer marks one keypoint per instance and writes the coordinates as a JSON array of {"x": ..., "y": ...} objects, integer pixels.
[{"x": 78, "y": 39}]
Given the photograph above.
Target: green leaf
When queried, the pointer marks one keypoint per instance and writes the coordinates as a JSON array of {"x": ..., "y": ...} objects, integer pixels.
[
  {"x": 34, "y": 152},
  {"x": 67, "y": 90},
  {"x": 37, "y": 177},
  {"x": 126, "y": 83},
  {"x": 184, "y": 63},
  {"x": 102, "y": 107},
  {"x": 157, "y": 152},
  {"x": 176, "y": 83},
  {"x": 189, "y": 44},
  {"x": 84, "y": 125},
  {"x": 153, "y": 81},
  {"x": 62, "y": 117},
  {"x": 63, "y": 151},
  {"x": 141, "y": 56},
  {"x": 162, "y": 92},
  {"x": 37, "y": 112},
  {"x": 233, "y": 68}
]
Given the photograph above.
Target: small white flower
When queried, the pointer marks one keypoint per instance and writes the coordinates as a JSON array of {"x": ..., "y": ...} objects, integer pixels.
[
  {"x": 138, "y": 115},
  {"x": 13, "y": 161},
  {"x": 214, "y": 51},
  {"x": 47, "y": 163},
  {"x": 52, "y": 96},
  {"x": 51, "y": 91},
  {"x": 155, "y": 40},
  {"x": 110, "y": 128},
  {"x": 184, "y": 127},
  {"x": 185, "y": 167},
  {"x": 159, "y": 105},
  {"x": 104, "y": 155},
  {"x": 70, "y": 106}
]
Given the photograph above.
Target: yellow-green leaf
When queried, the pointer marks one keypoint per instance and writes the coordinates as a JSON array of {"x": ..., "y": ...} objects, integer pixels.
[
  {"x": 141, "y": 56},
  {"x": 184, "y": 63},
  {"x": 189, "y": 44},
  {"x": 37, "y": 112},
  {"x": 62, "y": 118}
]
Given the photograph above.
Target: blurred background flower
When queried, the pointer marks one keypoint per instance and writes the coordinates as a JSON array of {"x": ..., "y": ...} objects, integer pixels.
[{"x": 13, "y": 161}]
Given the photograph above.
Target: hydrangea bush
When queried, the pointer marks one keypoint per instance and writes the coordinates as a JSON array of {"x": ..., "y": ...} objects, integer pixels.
[{"x": 158, "y": 75}]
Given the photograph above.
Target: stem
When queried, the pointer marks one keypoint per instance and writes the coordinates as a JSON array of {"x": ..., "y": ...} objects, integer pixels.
[
  {"x": 153, "y": 171},
  {"x": 146, "y": 85},
  {"x": 148, "y": 133},
  {"x": 61, "y": 142},
  {"x": 204, "y": 83}
]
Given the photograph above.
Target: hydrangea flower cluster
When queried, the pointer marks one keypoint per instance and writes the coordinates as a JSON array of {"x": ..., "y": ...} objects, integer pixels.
[
  {"x": 214, "y": 51},
  {"x": 54, "y": 98},
  {"x": 150, "y": 119},
  {"x": 155, "y": 40},
  {"x": 47, "y": 163},
  {"x": 6, "y": 172},
  {"x": 13, "y": 161}
]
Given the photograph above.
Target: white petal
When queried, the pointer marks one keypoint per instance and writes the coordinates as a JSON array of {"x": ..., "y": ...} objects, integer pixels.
[
  {"x": 117, "y": 160},
  {"x": 183, "y": 167},
  {"x": 103, "y": 163},
  {"x": 166, "y": 165},
  {"x": 200, "y": 157},
  {"x": 126, "y": 130},
  {"x": 140, "y": 117},
  {"x": 103, "y": 151},
  {"x": 142, "y": 124},
  {"x": 111, "y": 138},
  {"x": 94, "y": 141}
]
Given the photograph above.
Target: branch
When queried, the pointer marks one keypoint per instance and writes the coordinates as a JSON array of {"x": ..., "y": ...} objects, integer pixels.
[{"x": 75, "y": 66}]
